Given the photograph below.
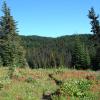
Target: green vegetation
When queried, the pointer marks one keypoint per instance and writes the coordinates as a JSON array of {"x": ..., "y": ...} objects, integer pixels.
[
  {"x": 28, "y": 84},
  {"x": 80, "y": 56},
  {"x": 11, "y": 51},
  {"x": 96, "y": 30},
  {"x": 42, "y": 52},
  {"x": 75, "y": 51},
  {"x": 57, "y": 56},
  {"x": 77, "y": 88}
]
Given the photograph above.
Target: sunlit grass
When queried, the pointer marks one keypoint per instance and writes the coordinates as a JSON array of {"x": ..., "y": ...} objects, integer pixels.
[{"x": 28, "y": 84}]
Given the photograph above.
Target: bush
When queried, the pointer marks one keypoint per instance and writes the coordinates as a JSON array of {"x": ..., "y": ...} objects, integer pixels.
[
  {"x": 30, "y": 80},
  {"x": 3, "y": 81},
  {"x": 1, "y": 86},
  {"x": 11, "y": 71},
  {"x": 76, "y": 88}
]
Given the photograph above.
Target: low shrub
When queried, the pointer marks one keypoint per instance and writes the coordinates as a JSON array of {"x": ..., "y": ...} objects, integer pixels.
[
  {"x": 1, "y": 86},
  {"x": 74, "y": 89},
  {"x": 11, "y": 71},
  {"x": 77, "y": 88},
  {"x": 30, "y": 80}
]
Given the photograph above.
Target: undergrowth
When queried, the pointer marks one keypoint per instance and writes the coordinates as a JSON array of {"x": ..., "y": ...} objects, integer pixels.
[{"x": 27, "y": 84}]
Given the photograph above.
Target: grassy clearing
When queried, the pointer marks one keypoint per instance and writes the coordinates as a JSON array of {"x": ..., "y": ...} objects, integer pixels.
[{"x": 27, "y": 84}]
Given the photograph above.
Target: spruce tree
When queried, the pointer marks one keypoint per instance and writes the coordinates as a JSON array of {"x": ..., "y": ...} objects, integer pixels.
[
  {"x": 80, "y": 55},
  {"x": 11, "y": 50},
  {"x": 96, "y": 36}
]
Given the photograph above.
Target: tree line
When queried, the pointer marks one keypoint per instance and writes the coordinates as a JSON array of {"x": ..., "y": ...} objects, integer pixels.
[
  {"x": 73, "y": 51},
  {"x": 66, "y": 51}
]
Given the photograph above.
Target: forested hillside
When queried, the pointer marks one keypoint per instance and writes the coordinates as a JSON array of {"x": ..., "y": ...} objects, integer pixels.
[{"x": 43, "y": 52}]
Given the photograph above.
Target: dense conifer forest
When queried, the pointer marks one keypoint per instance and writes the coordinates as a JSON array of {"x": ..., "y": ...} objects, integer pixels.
[{"x": 44, "y": 52}]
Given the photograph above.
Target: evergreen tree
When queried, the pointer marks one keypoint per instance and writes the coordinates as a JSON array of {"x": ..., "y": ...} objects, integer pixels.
[
  {"x": 12, "y": 52},
  {"x": 96, "y": 37},
  {"x": 95, "y": 25},
  {"x": 80, "y": 56},
  {"x": 87, "y": 60}
]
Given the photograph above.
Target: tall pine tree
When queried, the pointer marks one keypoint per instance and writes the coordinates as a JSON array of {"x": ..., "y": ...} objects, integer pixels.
[
  {"x": 96, "y": 37},
  {"x": 11, "y": 51}
]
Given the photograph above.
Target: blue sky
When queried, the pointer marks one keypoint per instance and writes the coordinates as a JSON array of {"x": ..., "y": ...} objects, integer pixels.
[{"x": 52, "y": 18}]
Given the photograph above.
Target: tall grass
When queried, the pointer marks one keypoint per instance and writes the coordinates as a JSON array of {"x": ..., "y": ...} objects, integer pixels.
[{"x": 31, "y": 84}]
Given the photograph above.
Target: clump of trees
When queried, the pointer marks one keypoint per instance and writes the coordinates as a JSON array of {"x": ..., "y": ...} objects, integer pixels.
[{"x": 11, "y": 51}]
